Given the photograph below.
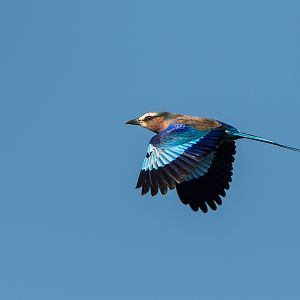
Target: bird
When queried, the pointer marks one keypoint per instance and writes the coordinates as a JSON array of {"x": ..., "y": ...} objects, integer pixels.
[{"x": 193, "y": 155}]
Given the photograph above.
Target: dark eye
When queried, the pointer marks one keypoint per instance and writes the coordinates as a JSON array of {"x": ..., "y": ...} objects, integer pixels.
[{"x": 148, "y": 118}]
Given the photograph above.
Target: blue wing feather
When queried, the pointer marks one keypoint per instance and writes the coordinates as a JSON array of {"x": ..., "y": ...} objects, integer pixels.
[{"x": 177, "y": 154}]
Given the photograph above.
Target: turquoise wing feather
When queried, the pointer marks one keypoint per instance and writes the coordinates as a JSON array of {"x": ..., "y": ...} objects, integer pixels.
[{"x": 177, "y": 154}]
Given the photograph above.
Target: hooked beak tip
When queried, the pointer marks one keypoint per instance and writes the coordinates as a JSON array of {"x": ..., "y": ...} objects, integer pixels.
[{"x": 133, "y": 122}]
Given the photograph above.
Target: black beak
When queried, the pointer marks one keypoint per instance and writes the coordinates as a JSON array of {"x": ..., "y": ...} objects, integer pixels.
[{"x": 133, "y": 122}]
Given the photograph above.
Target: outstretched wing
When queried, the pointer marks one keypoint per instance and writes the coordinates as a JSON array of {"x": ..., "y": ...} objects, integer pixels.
[
  {"x": 201, "y": 190},
  {"x": 175, "y": 154}
]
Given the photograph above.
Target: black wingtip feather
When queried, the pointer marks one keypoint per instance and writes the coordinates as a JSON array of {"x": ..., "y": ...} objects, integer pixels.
[
  {"x": 207, "y": 189},
  {"x": 140, "y": 180}
]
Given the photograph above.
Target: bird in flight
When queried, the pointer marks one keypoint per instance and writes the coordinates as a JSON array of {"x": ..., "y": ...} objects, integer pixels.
[{"x": 192, "y": 154}]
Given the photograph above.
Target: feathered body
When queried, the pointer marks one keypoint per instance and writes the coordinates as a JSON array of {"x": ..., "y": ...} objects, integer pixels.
[{"x": 192, "y": 154}]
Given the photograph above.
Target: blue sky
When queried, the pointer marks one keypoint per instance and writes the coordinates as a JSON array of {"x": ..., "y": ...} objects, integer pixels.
[{"x": 72, "y": 226}]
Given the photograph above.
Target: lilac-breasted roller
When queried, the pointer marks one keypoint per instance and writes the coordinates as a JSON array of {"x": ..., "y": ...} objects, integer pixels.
[{"x": 192, "y": 154}]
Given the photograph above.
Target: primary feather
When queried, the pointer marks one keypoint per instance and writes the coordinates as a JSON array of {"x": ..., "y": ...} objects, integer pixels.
[{"x": 192, "y": 154}]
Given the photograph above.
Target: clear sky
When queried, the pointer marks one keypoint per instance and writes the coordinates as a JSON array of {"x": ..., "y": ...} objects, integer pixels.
[{"x": 72, "y": 226}]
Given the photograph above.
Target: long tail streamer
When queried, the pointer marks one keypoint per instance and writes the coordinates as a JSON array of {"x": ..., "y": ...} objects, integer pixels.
[{"x": 259, "y": 139}]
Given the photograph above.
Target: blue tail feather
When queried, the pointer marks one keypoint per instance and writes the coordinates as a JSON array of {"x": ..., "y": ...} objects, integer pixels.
[{"x": 239, "y": 134}]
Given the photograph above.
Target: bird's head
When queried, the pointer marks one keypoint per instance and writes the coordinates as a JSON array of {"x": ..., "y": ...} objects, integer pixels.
[{"x": 154, "y": 121}]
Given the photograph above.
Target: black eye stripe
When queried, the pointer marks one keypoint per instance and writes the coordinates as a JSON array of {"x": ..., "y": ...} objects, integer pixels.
[{"x": 148, "y": 118}]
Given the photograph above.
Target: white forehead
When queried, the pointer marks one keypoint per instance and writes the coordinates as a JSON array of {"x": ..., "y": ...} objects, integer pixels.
[{"x": 151, "y": 114}]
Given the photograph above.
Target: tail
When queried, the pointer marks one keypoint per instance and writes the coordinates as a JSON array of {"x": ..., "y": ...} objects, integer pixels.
[{"x": 259, "y": 139}]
